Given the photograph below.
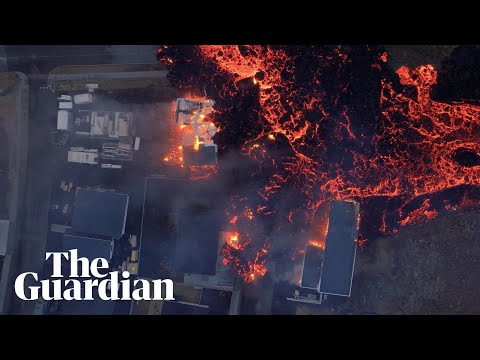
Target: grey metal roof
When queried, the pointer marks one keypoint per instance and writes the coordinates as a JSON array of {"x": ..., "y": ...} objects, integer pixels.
[
  {"x": 312, "y": 267},
  {"x": 96, "y": 306},
  {"x": 340, "y": 249},
  {"x": 4, "y": 234},
  {"x": 100, "y": 213},
  {"x": 161, "y": 223},
  {"x": 157, "y": 245},
  {"x": 197, "y": 242},
  {"x": 205, "y": 155},
  {"x": 179, "y": 308},
  {"x": 88, "y": 247}
]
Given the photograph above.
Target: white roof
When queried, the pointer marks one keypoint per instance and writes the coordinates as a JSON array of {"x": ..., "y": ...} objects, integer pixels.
[
  {"x": 4, "y": 226},
  {"x": 82, "y": 157},
  {"x": 65, "y": 105},
  {"x": 122, "y": 127},
  {"x": 82, "y": 98},
  {"x": 63, "y": 120},
  {"x": 97, "y": 124}
]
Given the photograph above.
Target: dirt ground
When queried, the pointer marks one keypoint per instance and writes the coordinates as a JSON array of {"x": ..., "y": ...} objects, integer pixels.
[{"x": 430, "y": 268}]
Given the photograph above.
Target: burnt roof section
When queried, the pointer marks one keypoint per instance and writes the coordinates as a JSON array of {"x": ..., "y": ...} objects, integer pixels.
[
  {"x": 87, "y": 247},
  {"x": 312, "y": 267},
  {"x": 205, "y": 155},
  {"x": 179, "y": 308},
  {"x": 340, "y": 249},
  {"x": 197, "y": 242},
  {"x": 100, "y": 213}
]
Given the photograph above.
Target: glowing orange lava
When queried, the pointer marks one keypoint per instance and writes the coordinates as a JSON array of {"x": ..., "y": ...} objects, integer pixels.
[{"x": 329, "y": 149}]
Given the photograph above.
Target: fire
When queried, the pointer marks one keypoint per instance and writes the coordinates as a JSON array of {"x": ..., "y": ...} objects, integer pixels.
[
  {"x": 419, "y": 215},
  {"x": 317, "y": 244},
  {"x": 232, "y": 241},
  {"x": 196, "y": 146},
  {"x": 201, "y": 172},
  {"x": 174, "y": 155},
  {"x": 232, "y": 253},
  {"x": 345, "y": 127}
]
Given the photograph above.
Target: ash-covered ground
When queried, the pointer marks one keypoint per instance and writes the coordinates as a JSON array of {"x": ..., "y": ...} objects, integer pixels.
[{"x": 430, "y": 268}]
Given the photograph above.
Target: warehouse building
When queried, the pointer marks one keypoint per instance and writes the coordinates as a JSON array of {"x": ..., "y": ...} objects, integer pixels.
[{"x": 100, "y": 212}]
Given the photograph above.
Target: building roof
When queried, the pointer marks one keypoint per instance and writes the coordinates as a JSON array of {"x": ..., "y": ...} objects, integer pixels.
[
  {"x": 112, "y": 124},
  {"x": 4, "y": 198},
  {"x": 63, "y": 119},
  {"x": 96, "y": 306},
  {"x": 223, "y": 278},
  {"x": 197, "y": 241},
  {"x": 161, "y": 222},
  {"x": 312, "y": 267},
  {"x": 205, "y": 155},
  {"x": 87, "y": 247},
  {"x": 340, "y": 249},
  {"x": 181, "y": 308},
  {"x": 157, "y": 244},
  {"x": 100, "y": 213},
  {"x": 4, "y": 235}
]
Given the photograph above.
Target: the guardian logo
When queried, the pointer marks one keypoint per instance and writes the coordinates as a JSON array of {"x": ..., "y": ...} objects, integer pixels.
[{"x": 107, "y": 284}]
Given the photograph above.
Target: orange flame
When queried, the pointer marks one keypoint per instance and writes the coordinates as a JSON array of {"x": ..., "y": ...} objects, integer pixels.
[{"x": 317, "y": 244}]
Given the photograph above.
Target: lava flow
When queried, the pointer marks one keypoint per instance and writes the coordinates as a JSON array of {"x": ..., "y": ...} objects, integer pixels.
[{"x": 323, "y": 123}]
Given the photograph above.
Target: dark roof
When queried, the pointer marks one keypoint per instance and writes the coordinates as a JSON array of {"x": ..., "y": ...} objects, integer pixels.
[
  {"x": 157, "y": 244},
  {"x": 100, "y": 213},
  {"x": 160, "y": 221},
  {"x": 340, "y": 249},
  {"x": 96, "y": 306},
  {"x": 197, "y": 242},
  {"x": 205, "y": 155},
  {"x": 88, "y": 247},
  {"x": 4, "y": 188},
  {"x": 312, "y": 267},
  {"x": 178, "y": 308}
]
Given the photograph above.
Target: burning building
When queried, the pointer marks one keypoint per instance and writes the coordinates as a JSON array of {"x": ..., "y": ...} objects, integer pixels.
[
  {"x": 192, "y": 117},
  {"x": 181, "y": 239},
  {"x": 328, "y": 268}
]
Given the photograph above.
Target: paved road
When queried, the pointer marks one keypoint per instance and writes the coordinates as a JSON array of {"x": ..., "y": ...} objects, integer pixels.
[
  {"x": 43, "y": 160},
  {"x": 112, "y": 75},
  {"x": 17, "y": 175}
]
